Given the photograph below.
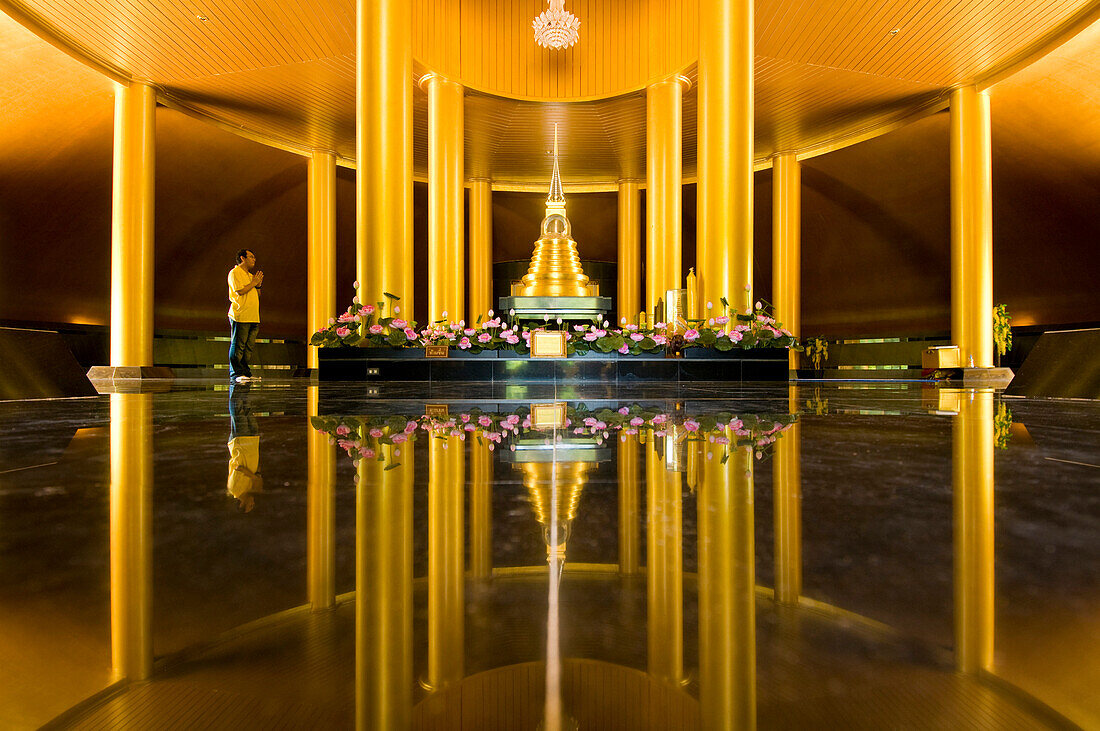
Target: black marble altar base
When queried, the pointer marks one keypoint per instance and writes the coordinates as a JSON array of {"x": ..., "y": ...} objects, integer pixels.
[{"x": 409, "y": 364}]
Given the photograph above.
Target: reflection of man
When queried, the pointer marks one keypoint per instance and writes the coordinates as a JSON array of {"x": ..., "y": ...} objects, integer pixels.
[
  {"x": 244, "y": 450},
  {"x": 244, "y": 315}
]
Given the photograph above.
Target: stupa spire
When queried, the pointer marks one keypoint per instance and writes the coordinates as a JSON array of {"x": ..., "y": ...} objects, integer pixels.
[{"x": 555, "y": 201}]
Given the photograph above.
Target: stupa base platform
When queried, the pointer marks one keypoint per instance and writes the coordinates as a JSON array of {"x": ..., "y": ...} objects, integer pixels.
[
  {"x": 591, "y": 308},
  {"x": 410, "y": 364}
]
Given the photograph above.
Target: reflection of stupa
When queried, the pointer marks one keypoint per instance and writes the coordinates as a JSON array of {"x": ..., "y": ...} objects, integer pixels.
[
  {"x": 540, "y": 479},
  {"x": 555, "y": 284}
]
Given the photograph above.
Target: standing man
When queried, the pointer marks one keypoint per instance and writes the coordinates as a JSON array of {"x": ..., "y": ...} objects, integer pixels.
[{"x": 244, "y": 315}]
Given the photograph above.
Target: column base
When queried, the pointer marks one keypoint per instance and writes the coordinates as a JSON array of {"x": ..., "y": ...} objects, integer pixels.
[
  {"x": 987, "y": 377},
  {"x": 127, "y": 373}
]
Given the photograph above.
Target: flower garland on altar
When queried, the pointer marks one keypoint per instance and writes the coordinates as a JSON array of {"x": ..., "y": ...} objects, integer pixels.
[{"x": 371, "y": 326}]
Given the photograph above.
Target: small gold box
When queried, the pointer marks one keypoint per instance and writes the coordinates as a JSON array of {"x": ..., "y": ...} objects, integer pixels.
[
  {"x": 941, "y": 356},
  {"x": 436, "y": 351},
  {"x": 548, "y": 416},
  {"x": 547, "y": 344}
]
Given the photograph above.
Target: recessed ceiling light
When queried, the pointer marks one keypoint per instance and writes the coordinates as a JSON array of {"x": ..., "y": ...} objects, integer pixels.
[
  {"x": 895, "y": 31},
  {"x": 202, "y": 17}
]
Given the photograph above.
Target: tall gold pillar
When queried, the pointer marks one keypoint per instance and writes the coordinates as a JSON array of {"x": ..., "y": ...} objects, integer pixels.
[
  {"x": 131, "y": 536},
  {"x": 481, "y": 510},
  {"x": 727, "y": 577},
  {"x": 320, "y": 514},
  {"x": 725, "y": 144},
  {"x": 971, "y": 227},
  {"x": 446, "y": 561},
  {"x": 628, "y": 507},
  {"x": 446, "y": 251},
  {"x": 383, "y": 590},
  {"x": 481, "y": 247},
  {"x": 321, "y": 269},
  {"x": 787, "y": 245},
  {"x": 629, "y": 297},
  {"x": 383, "y": 151},
  {"x": 972, "y": 483},
  {"x": 664, "y": 568},
  {"x": 787, "y": 506},
  {"x": 132, "y": 225},
  {"x": 664, "y": 188}
]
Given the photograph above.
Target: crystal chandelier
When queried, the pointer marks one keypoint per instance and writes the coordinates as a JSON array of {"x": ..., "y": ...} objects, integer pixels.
[{"x": 556, "y": 27}]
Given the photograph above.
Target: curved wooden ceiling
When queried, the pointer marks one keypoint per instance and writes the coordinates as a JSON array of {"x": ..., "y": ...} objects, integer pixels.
[{"x": 828, "y": 72}]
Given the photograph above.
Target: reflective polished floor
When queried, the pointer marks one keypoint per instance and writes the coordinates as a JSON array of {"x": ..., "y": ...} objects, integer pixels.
[{"x": 287, "y": 555}]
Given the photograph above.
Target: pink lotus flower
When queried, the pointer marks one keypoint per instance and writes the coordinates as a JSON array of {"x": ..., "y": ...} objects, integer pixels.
[
  {"x": 630, "y": 432},
  {"x": 469, "y": 332},
  {"x": 590, "y": 336},
  {"x": 637, "y": 421},
  {"x": 722, "y": 320},
  {"x": 369, "y": 309},
  {"x": 346, "y": 317},
  {"x": 375, "y": 432},
  {"x": 625, "y": 349},
  {"x": 470, "y": 427},
  {"x": 398, "y": 323},
  {"x": 721, "y": 440},
  {"x": 691, "y": 425},
  {"x": 484, "y": 337},
  {"x": 580, "y": 328},
  {"x": 343, "y": 332},
  {"x": 410, "y": 334},
  {"x": 484, "y": 421},
  {"x": 464, "y": 343},
  {"x": 691, "y": 335},
  {"x": 494, "y": 323},
  {"x": 624, "y": 410},
  {"x": 660, "y": 340},
  {"x": 736, "y": 337},
  {"x": 376, "y": 329},
  {"x": 511, "y": 340},
  {"x": 637, "y": 337},
  {"x": 367, "y": 453},
  {"x": 660, "y": 419},
  {"x": 343, "y": 430},
  {"x": 398, "y": 438},
  {"x": 410, "y": 427}
]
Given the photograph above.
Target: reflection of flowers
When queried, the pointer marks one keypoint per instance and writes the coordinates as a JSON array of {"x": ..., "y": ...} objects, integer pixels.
[{"x": 362, "y": 436}]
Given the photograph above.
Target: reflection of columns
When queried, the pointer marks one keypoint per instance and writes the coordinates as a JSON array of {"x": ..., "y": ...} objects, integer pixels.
[
  {"x": 628, "y": 506},
  {"x": 321, "y": 274},
  {"x": 132, "y": 226},
  {"x": 727, "y": 610},
  {"x": 446, "y": 561},
  {"x": 664, "y": 567},
  {"x": 481, "y": 509},
  {"x": 787, "y": 490},
  {"x": 321, "y": 514},
  {"x": 630, "y": 250},
  {"x": 787, "y": 244},
  {"x": 971, "y": 227},
  {"x": 664, "y": 188},
  {"x": 724, "y": 233},
  {"x": 481, "y": 247},
  {"x": 972, "y": 469},
  {"x": 131, "y": 536},
  {"x": 383, "y": 151},
  {"x": 383, "y": 590},
  {"x": 446, "y": 259}
]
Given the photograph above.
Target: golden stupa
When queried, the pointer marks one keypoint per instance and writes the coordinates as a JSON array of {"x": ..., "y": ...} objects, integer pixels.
[
  {"x": 567, "y": 478},
  {"x": 555, "y": 269}
]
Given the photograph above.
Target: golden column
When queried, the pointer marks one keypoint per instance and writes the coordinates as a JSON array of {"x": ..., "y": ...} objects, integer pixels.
[
  {"x": 481, "y": 510},
  {"x": 727, "y": 597},
  {"x": 320, "y": 513},
  {"x": 321, "y": 275},
  {"x": 132, "y": 226},
  {"x": 787, "y": 244},
  {"x": 446, "y": 251},
  {"x": 725, "y": 144},
  {"x": 787, "y": 506},
  {"x": 481, "y": 247},
  {"x": 383, "y": 152},
  {"x": 383, "y": 590},
  {"x": 628, "y": 506},
  {"x": 972, "y": 482},
  {"x": 131, "y": 536},
  {"x": 664, "y": 568},
  {"x": 446, "y": 561},
  {"x": 664, "y": 188},
  {"x": 971, "y": 227},
  {"x": 630, "y": 250}
]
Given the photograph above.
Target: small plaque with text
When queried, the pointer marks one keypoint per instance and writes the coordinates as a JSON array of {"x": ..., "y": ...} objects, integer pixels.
[
  {"x": 547, "y": 344},
  {"x": 436, "y": 351}
]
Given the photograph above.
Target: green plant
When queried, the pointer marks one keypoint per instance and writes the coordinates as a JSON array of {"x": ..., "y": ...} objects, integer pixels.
[
  {"x": 817, "y": 349},
  {"x": 1002, "y": 330},
  {"x": 1002, "y": 426}
]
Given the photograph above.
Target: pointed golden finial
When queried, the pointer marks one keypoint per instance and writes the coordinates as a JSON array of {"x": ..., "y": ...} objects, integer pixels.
[{"x": 555, "y": 202}]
